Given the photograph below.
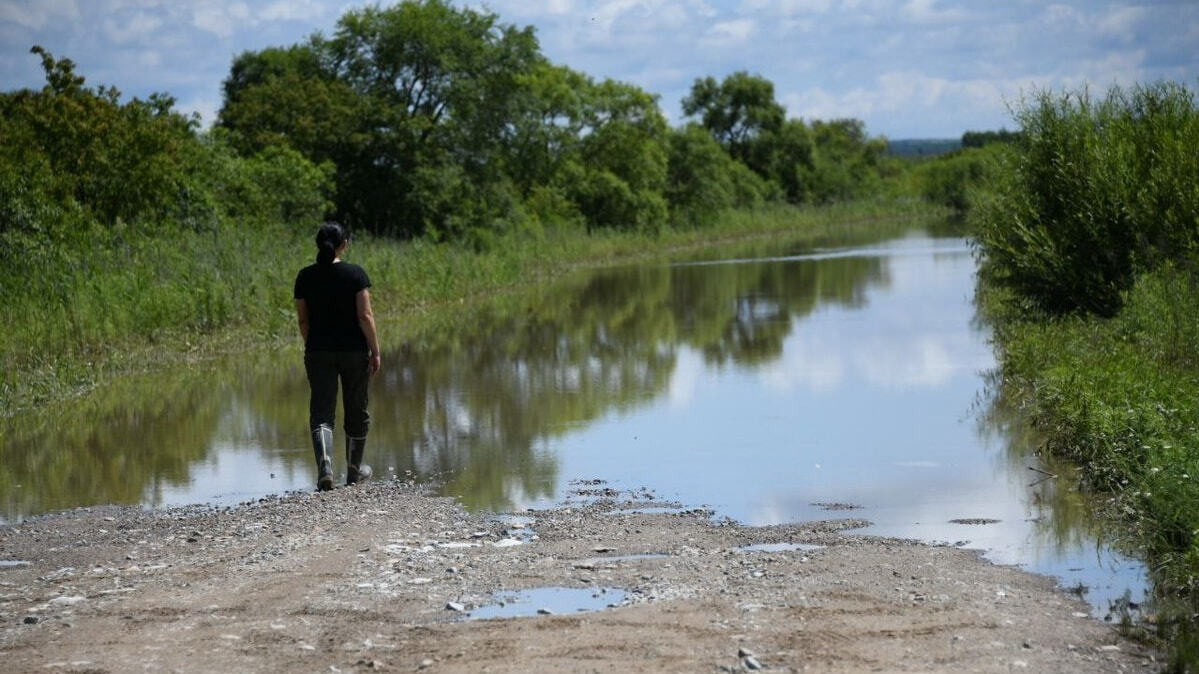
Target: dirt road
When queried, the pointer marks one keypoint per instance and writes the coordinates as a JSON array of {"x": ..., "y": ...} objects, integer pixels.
[{"x": 383, "y": 577}]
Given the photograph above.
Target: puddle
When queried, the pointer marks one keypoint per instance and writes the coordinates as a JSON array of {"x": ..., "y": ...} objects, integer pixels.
[
  {"x": 549, "y": 601},
  {"x": 779, "y": 547},
  {"x": 12, "y": 563}
]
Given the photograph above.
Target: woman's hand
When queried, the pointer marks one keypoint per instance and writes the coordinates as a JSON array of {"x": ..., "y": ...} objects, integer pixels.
[{"x": 376, "y": 363}]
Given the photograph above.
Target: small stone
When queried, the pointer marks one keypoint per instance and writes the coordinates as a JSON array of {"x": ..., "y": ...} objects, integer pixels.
[
  {"x": 67, "y": 601},
  {"x": 746, "y": 653},
  {"x": 1026, "y": 644},
  {"x": 31, "y": 620},
  {"x": 425, "y": 664},
  {"x": 1109, "y": 647},
  {"x": 454, "y": 606},
  {"x": 751, "y": 663},
  {"x": 544, "y": 611}
]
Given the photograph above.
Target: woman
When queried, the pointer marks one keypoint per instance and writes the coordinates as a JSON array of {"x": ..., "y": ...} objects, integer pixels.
[{"x": 333, "y": 305}]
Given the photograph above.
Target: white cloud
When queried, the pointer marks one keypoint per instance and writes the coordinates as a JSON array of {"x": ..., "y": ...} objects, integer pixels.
[
  {"x": 727, "y": 33},
  {"x": 292, "y": 10},
  {"x": 219, "y": 18},
  {"x": 38, "y": 14},
  {"x": 788, "y": 7},
  {"x": 137, "y": 27},
  {"x": 926, "y": 11},
  {"x": 1120, "y": 23}
]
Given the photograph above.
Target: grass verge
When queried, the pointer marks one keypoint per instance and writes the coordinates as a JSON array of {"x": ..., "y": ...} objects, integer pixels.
[{"x": 1117, "y": 396}]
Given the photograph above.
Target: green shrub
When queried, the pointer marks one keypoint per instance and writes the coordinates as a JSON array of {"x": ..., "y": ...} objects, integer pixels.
[
  {"x": 950, "y": 179},
  {"x": 1095, "y": 193}
]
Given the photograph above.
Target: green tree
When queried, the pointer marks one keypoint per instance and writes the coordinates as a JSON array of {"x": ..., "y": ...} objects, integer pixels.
[
  {"x": 846, "y": 160},
  {"x": 623, "y": 159},
  {"x": 704, "y": 180},
  {"x": 414, "y": 104},
  {"x": 742, "y": 115},
  {"x": 736, "y": 111}
]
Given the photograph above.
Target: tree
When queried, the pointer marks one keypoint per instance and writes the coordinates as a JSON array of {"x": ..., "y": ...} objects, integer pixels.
[
  {"x": 621, "y": 175},
  {"x": 704, "y": 180},
  {"x": 737, "y": 110},
  {"x": 414, "y": 103}
]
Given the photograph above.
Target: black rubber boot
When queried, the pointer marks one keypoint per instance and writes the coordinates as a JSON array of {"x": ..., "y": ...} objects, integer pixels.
[
  {"x": 356, "y": 470},
  {"x": 322, "y": 443}
]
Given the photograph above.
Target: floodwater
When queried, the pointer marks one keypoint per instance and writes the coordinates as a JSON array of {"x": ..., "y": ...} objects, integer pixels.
[{"x": 771, "y": 384}]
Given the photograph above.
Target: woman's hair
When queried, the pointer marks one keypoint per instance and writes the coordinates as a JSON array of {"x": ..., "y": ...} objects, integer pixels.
[{"x": 328, "y": 239}]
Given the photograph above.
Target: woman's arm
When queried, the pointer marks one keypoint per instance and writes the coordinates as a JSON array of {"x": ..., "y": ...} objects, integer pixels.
[
  {"x": 302, "y": 317},
  {"x": 366, "y": 321}
]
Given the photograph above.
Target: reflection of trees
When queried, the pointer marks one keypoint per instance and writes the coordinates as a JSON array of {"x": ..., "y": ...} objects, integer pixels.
[
  {"x": 119, "y": 445},
  {"x": 743, "y": 312},
  {"x": 473, "y": 399}
]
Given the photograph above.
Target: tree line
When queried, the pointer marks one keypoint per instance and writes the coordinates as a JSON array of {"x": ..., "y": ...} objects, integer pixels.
[{"x": 446, "y": 122}]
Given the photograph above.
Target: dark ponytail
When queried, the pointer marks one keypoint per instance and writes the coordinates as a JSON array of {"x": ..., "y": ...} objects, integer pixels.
[{"x": 328, "y": 239}]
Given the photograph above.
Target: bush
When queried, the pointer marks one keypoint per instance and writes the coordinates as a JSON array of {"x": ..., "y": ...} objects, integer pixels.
[
  {"x": 949, "y": 180},
  {"x": 703, "y": 180},
  {"x": 1096, "y": 192}
]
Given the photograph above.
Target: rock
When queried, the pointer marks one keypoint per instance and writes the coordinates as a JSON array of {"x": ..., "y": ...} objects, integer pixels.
[
  {"x": 454, "y": 606},
  {"x": 746, "y": 653},
  {"x": 425, "y": 664},
  {"x": 544, "y": 611},
  {"x": 31, "y": 620},
  {"x": 751, "y": 663},
  {"x": 67, "y": 601}
]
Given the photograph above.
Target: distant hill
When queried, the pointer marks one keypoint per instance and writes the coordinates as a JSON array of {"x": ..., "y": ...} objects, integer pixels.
[{"x": 923, "y": 147}]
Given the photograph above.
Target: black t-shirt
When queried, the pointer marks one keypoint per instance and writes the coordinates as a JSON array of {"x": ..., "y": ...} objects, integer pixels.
[{"x": 330, "y": 291}]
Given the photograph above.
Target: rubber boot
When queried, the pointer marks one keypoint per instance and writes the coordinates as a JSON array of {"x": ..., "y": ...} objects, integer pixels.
[
  {"x": 322, "y": 442},
  {"x": 356, "y": 470}
]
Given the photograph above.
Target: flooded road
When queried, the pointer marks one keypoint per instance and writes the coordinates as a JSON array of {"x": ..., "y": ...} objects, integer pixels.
[{"x": 769, "y": 385}]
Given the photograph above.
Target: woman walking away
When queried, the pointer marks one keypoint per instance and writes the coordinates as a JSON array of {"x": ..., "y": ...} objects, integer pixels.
[{"x": 333, "y": 305}]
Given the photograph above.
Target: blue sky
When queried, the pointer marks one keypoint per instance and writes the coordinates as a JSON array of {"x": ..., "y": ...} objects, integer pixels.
[{"x": 909, "y": 68}]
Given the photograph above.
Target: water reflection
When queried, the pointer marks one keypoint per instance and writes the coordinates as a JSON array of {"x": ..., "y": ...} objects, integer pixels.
[{"x": 757, "y": 384}]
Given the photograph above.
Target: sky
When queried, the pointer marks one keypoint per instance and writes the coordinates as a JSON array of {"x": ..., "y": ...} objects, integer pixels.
[{"x": 908, "y": 68}]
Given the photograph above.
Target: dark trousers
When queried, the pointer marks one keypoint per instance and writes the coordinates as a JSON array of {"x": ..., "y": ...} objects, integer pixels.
[{"x": 324, "y": 369}]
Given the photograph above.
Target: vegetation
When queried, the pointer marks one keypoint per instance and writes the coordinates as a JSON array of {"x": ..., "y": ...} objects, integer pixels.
[
  {"x": 1097, "y": 193},
  {"x": 473, "y": 160},
  {"x": 1089, "y": 269}
]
